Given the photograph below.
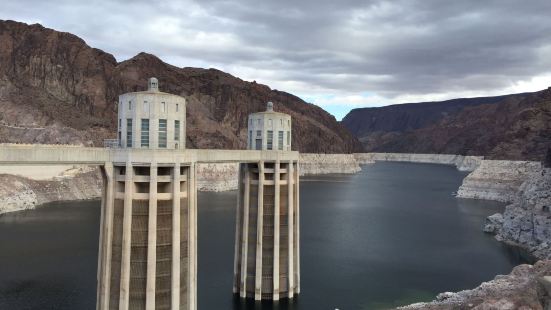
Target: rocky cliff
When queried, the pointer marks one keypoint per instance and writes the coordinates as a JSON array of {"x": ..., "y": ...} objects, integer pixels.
[
  {"x": 526, "y": 287},
  {"x": 498, "y": 180},
  {"x": 217, "y": 177},
  {"x": 527, "y": 221},
  {"x": 54, "y": 88},
  {"x": 400, "y": 118},
  {"x": 526, "y": 185},
  {"x": 20, "y": 193},
  {"x": 516, "y": 127}
]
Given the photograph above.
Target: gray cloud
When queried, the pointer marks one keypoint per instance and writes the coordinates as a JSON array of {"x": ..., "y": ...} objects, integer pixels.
[{"x": 388, "y": 48}]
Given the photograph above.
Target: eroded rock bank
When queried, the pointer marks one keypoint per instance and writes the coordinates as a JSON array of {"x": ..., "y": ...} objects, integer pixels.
[
  {"x": 498, "y": 180},
  {"x": 20, "y": 193},
  {"x": 526, "y": 287},
  {"x": 463, "y": 163},
  {"x": 526, "y": 221}
]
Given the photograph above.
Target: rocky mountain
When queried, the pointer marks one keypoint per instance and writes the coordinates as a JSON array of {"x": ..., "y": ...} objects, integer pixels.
[
  {"x": 507, "y": 127},
  {"x": 54, "y": 88}
]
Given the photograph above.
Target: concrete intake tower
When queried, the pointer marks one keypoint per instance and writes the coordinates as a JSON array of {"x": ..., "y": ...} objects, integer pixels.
[
  {"x": 147, "y": 253},
  {"x": 147, "y": 258},
  {"x": 267, "y": 265}
]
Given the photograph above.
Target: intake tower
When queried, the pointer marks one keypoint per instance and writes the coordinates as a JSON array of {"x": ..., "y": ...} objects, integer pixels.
[{"x": 266, "y": 263}]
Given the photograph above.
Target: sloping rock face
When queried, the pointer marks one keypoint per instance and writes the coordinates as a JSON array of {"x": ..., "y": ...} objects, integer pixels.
[
  {"x": 217, "y": 177},
  {"x": 516, "y": 127},
  {"x": 19, "y": 193},
  {"x": 498, "y": 180},
  {"x": 527, "y": 222},
  {"x": 400, "y": 118},
  {"x": 54, "y": 88},
  {"x": 524, "y": 288}
]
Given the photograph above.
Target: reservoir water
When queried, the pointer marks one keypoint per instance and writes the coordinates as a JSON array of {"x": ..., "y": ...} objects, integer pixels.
[{"x": 391, "y": 235}]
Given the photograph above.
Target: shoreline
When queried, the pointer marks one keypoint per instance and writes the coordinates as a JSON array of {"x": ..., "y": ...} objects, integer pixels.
[{"x": 525, "y": 222}]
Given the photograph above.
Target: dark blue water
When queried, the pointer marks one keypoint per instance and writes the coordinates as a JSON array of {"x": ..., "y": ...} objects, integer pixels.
[{"x": 388, "y": 236}]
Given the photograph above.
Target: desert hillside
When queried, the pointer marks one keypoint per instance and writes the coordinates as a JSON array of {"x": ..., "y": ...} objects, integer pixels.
[{"x": 54, "y": 88}]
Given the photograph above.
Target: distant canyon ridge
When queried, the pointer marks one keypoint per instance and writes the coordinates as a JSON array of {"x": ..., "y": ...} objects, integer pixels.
[
  {"x": 54, "y": 88},
  {"x": 514, "y": 127}
]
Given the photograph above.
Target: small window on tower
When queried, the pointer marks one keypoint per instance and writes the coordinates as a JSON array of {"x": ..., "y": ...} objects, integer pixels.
[
  {"x": 145, "y": 106},
  {"x": 163, "y": 107},
  {"x": 129, "y": 105},
  {"x": 177, "y": 107}
]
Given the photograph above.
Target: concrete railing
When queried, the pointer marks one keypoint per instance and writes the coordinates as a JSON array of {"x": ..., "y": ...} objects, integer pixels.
[{"x": 13, "y": 154}]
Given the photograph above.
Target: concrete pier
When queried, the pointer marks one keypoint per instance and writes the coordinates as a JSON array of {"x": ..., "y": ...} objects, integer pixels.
[
  {"x": 267, "y": 260},
  {"x": 145, "y": 261},
  {"x": 267, "y": 239}
]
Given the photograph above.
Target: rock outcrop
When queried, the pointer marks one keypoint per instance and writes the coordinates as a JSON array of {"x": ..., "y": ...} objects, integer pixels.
[
  {"x": 526, "y": 287},
  {"x": 217, "y": 177},
  {"x": 54, "y": 88},
  {"x": 463, "y": 163},
  {"x": 527, "y": 221},
  {"x": 498, "y": 180},
  {"x": 20, "y": 193}
]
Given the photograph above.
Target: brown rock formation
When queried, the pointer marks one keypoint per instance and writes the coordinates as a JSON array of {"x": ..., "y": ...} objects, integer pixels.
[
  {"x": 514, "y": 127},
  {"x": 54, "y": 88}
]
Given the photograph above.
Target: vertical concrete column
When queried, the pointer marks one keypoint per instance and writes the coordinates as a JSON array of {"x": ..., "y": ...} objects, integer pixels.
[
  {"x": 297, "y": 228},
  {"x": 192, "y": 240},
  {"x": 290, "y": 226},
  {"x": 175, "y": 294},
  {"x": 245, "y": 232},
  {"x": 151, "y": 240},
  {"x": 238, "y": 220},
  {"x": 126, "y": 235},
  {"x": 101, "y": 242},
  {"x": 259, "y": 233},
  {"x": 106, "y": 238},
  {"x": 276, "y": 231}
]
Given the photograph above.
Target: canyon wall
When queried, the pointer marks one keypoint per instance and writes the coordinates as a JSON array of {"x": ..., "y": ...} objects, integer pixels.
[
  {"x": 526, "y": 221},
  {"x": 498, "y": 180},
  {"x": 21, "y": 193},
  {"x": 463, "y": 163}
]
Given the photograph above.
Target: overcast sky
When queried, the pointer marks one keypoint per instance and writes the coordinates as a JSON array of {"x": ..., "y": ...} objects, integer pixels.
[{"x": 338, "y": 54}]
